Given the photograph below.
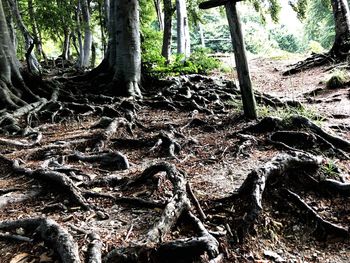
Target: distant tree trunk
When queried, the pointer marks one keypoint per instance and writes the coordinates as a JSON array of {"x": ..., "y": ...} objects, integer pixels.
[
  {"x": 201, "y": 35},
  {"x": 33, "y": 63},
  {"x": 87, "y": 33},
  {"x": 13, "y": 90},
  {"x": 35, "y": 30},
  {"x": 66, "y": 45},
  {"x": 158, "y": 8},
  {"x": 183, "y": 34},
  {"x": 103, "y": 27},
  {"x": 341, "y": 13},
  {"x": 167, "y": 36},
  {"x": 93, "y": 54},
  {"x": 107, "y": 10}
]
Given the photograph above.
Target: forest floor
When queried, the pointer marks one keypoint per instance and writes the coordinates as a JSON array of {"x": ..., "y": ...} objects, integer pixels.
[{"x": 215, "y": 160}]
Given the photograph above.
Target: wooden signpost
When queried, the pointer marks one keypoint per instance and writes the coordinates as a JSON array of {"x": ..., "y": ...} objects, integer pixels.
[{"x": 249, "y": 105}]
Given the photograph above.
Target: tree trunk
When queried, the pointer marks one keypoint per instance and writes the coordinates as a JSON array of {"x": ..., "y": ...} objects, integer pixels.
[
  {"x": 35, "y": 30},
  {"x": 66, "y": 45},
  {"x": 12, "y": 87},
  {"x": 87, "y": 33},
  {"x": 10, "y": 23},
  {"x": 245, "y": 84},
  {"x": 128, "y": 47},
  {"x": 159, "y": 14},
  {"x": 167, "y": 36},
  {"x": 201, "y": 34},
  {"x": 33, "y": 63},
  {"x": 341, "y": 13},
  {"x": 183, "y": 34}
]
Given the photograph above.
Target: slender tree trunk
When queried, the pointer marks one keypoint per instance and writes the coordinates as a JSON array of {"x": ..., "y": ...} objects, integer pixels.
[
  {"x": 107, "y": 11},
  {"x": 102, "y": 20},
  {"x": 33, "y": 63},
  {"x": 87, "y": 33},
  {"x": 183, "y": 34},
  {"x": 201, "y": 34},
  {"x": 341, "y": 13},
  {"x": 66, "y": 45},
  {"x": 167, "y": 36},
  {"x": 93, "y": 54},
  {"x": 35, "y": 30},
  {"x": 158, "y": 8}
]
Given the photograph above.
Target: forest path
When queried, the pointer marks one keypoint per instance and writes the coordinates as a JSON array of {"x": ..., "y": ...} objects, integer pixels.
[{"x": 194, "y": 124}]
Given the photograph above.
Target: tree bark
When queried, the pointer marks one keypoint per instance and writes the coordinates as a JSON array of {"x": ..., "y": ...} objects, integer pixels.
[
  {"x": 341, "y": 13},
  {"x": 34, "y": 66},
  {"x": 167, "y": 35},
  {"x": 36, "y": 31},
  {"x": 183, "y": 34},
  {"x": 12, "y": 86},
  {"x": 124, "y": 48},
  {"x": 248, "y": 99},
  {"x": 87, "y": 33},
  {"x": 159, "y": 14}
]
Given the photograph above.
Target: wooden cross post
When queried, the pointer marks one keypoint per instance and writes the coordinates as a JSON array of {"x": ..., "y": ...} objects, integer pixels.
[{"x": 245, "y": 83}]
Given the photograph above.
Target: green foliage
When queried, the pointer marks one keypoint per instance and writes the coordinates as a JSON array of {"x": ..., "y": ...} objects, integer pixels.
[
  {"x": 287, "y": 112},
  {"x": 319, "y": 23},
  {"x": 287, "y": 40},
  {"x": 154, "y": 64},
  {"x": 330, "y": 170}
]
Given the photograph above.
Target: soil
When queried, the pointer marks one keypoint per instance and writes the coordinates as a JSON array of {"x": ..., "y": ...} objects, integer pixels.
[{"x": 214, "y": 170}]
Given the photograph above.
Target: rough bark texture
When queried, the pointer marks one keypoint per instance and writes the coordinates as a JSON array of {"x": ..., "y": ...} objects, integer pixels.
[
  {"x": 341, "y": 15},
  {"x": 167, "y": 36},
  {"x": 33, "y": 63},
  {"x": 183, "y": 34},
  {"x": 85, "y": 60},
  {"x": 12, "y": 87}
]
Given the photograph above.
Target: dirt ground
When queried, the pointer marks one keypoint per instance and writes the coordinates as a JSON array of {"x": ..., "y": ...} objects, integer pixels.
[{"x": 214, "y": 170}]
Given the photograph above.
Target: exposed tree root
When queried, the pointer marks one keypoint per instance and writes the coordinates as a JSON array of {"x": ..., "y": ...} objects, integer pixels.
[
  {"x": 94, "y": 250},
  {"x": 55, "y": 179},
  {"x": 315, "y": 60},
  {"x": 62, "y": 242},
  {"x": 109, "y": 160},
  {"x": 312, "y": 136},
  {"x": 151, "y": 248},
  {"x": 327, "y": 228},
  {"x": 255, "y": 184}
]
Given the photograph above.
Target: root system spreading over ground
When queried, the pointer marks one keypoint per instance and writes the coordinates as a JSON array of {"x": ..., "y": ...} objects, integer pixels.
[{"x": 180, "y": 175}]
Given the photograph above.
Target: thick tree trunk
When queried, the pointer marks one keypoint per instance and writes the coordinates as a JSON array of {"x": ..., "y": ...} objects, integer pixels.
[
  {"x": 167, "y": 36},
  {"x": 33, "y": 63},
  {"x": 341, "y": 13},
  {"x": 183, "y": 34},
  {"x": 124, "y": 55},
  {"x": 12, "y": 87},
  {"x": 10, "y": 23}
]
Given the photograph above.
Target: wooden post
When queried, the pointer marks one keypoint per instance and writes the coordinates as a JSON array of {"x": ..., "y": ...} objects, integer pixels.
[{"x": 249, "y": 105}]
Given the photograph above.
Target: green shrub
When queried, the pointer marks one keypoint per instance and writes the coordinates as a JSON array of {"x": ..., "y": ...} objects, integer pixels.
[{"x": 198, "y": 63}]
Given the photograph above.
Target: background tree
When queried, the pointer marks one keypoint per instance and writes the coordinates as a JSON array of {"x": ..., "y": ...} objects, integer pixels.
[{"x": 183, "y": 34}]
